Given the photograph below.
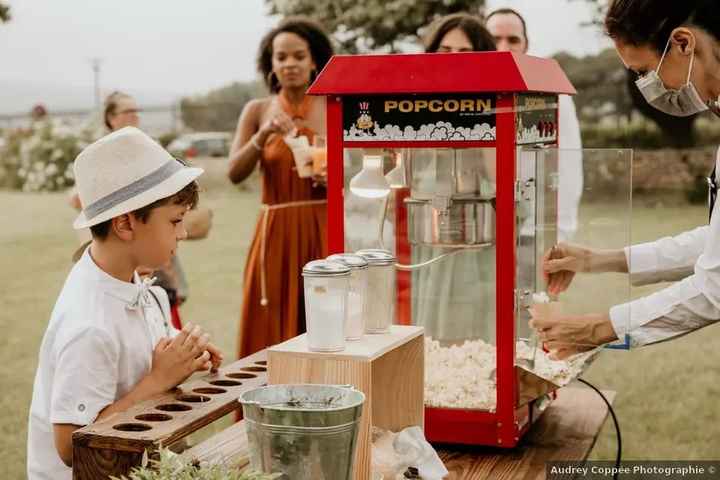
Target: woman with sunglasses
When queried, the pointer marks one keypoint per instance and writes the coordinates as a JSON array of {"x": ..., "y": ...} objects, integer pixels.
[{"x": 121, "y": 110}]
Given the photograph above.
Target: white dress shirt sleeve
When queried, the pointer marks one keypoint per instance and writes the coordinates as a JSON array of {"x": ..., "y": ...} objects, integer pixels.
[
  {"x": 689, "y": 304},
  {"x": 86, "y": 377},
  {"x": 668, "y": 259}
]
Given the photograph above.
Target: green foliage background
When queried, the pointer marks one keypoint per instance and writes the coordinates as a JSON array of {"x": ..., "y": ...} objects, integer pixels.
[
  {"x": 219, "y": 109},
  {"x": 362, "y": 26},
  {"x": 4, "y": 12}
]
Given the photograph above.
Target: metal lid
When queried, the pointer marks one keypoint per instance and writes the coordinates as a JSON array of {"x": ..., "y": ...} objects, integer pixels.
[
  {"x": 376, "y": 256},
  {"x": 325, "y": 268},
  {"x": 355, "y": 262}
]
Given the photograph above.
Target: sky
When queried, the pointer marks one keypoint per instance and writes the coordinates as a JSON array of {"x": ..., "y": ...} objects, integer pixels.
[{"x": 160, "y": 50}]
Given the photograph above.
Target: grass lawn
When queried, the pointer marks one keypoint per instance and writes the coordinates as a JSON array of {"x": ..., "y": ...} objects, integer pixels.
[{"x": 667, "y": 394}]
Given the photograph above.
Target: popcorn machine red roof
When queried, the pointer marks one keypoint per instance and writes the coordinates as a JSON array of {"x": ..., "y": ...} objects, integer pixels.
[{"x": 451, "y": 129}]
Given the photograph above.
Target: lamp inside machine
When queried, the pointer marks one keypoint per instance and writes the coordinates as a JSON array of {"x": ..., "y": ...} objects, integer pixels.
[{"x": 370, "y": 182}]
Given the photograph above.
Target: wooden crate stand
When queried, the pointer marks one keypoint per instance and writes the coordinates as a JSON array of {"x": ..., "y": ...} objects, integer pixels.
[{"x": 387, "y": 368}]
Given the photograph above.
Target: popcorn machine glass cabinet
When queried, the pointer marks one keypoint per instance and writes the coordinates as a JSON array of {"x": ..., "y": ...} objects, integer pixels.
[{"x": 439, "y": 220}]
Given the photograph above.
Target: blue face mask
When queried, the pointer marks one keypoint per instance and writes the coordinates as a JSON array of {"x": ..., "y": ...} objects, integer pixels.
[{"x": 680, "y": 103}]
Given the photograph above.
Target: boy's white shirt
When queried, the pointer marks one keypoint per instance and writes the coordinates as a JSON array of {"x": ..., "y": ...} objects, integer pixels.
[{"x": 98, "y": 345}]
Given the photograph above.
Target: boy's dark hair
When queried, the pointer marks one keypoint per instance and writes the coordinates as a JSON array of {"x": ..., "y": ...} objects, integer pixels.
[
  {"x": 320, "y": 47},
  {"x": 650, "y": 22},
  {"x": 510, "y": 11},
  {"x": 188, "y": 196},
  {"x": 471, "y": 26}
]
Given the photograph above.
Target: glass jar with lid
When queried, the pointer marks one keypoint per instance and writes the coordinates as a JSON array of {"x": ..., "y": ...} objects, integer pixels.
[
  {"x": 355, "y": 325},
  {"x": 380, "y": 307},
  {"x": 326, "y": 292}
]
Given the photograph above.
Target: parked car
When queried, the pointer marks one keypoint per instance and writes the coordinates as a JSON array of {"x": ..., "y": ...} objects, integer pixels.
[{"x": 207, "y": 144}]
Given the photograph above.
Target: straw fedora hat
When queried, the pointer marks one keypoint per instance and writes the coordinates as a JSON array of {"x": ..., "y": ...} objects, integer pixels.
[{"x": 124, "y": 171}]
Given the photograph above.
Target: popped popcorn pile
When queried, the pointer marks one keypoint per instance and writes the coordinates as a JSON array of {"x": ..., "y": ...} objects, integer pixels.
[
  {"x": 462, "y": 376},
  {"x": 459, "y": 376}
]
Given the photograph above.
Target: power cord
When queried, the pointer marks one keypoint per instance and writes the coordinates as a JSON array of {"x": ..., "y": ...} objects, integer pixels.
[{"x": 618, "y": 457}]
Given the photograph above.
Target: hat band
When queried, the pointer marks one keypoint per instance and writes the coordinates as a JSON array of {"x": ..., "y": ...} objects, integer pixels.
[{"x": 134, "y": 189}]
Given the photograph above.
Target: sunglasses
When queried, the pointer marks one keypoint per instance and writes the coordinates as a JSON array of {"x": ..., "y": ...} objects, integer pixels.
[{"x": 182, "y": 162}]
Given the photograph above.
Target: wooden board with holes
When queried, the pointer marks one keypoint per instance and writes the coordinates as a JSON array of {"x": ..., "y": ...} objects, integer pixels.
[{"x": 116, "y": 444}]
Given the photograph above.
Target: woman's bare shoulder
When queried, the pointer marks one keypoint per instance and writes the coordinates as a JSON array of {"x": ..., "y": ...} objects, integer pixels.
[
  {"x": 259, "y": 105},
  {"x": 257, "y": 109}
]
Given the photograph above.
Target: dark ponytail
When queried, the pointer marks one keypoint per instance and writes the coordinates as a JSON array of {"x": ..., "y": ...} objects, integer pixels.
[{"x": 650, "y": 22}]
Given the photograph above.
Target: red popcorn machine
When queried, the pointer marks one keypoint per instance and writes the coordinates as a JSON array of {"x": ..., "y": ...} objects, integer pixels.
[{"x": 450, "y": 161}]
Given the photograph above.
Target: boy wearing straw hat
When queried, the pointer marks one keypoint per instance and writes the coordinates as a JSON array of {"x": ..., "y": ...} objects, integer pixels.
[{"x": 109, "y": 343}]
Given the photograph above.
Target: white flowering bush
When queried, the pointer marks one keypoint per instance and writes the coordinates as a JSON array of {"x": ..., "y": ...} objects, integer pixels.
[{"x": 40, "y": 158}]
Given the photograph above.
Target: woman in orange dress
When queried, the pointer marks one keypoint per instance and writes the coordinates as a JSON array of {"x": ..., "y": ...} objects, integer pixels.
[{"x": 291, "y": 229}]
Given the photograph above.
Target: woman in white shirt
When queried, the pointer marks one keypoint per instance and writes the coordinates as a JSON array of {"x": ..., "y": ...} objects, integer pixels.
[{"x": 674, "y": 47}]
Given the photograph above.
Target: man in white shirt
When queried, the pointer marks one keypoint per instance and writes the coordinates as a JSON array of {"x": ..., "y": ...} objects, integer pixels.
[
  {"x": 508, "y": 28},
  {"x": 109, "y": 343}
]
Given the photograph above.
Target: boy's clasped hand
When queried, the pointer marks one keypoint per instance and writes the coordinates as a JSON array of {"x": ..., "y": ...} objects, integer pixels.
[{"x": 175, "y": 359}]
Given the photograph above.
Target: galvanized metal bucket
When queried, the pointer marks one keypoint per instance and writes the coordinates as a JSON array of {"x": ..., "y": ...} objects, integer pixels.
[{"x": 303, "y": 432}]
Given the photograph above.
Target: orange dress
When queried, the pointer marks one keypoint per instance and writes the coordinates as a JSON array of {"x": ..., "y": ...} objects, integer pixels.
[{"x": 290, "y": 232}]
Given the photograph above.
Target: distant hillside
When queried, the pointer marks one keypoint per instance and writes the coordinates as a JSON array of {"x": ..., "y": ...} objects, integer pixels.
[{"x": 19, "y": 97}]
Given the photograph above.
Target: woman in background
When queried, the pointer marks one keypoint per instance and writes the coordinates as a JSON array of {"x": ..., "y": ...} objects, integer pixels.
[
  {"x": 454, "y": 299},
  {"x": 459, "y": 32},
  {"x": 291, "y": 230}
]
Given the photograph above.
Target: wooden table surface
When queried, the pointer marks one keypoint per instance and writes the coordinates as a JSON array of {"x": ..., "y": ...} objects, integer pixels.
[{"x": 567, "y": 430}]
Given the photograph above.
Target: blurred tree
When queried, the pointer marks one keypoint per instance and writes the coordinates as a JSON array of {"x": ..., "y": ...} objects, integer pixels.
[
  {"x": 219, "y": 109},
  {"x": 4, "y": 12},
  {"x": 373, "y": 25},
  {"x": 600, "y": 82},
  {"x": 679, "y": 131},
  {"x": 598, "y": 8}
]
